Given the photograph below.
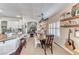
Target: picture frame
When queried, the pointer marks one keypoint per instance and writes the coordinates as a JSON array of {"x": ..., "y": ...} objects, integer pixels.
[
  {"x": 76, "y": 33},
  {"x": 73, "y": 11},
  {"x": 77, "y": 11}
]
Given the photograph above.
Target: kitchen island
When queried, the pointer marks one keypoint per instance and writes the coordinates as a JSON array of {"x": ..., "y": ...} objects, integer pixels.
[{"x": 11, "y": 44}]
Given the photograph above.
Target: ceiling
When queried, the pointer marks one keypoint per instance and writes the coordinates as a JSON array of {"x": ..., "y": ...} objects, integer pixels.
[{"x": 31, "y": 10}]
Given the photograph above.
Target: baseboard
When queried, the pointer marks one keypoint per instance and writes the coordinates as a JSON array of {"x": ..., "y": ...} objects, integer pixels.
[{"x": 70, "y": 52}]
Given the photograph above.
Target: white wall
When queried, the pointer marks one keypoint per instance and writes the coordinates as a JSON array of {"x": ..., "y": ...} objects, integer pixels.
[
  {"x": 64, "y": 31},
  {"x": 25, "y": 20},
  {"x": 11, "y": 22},
  {"x": 14, "y": 23},
  {"x": 64, "y": 35}
]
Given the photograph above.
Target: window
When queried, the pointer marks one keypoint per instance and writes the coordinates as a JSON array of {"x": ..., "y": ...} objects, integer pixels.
[
  {"x": 57, "y": 28},
  {"x": 54, "y": 28}
]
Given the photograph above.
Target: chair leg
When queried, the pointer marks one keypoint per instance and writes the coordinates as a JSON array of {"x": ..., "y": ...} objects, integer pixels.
[
  {"x": 44, "y": 47},
  {"x": 25, "y": 44},
  {"x": 51, "y": 49}
]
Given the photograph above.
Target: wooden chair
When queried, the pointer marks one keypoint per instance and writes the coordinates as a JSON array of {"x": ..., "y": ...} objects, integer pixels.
[
  {"x": 22, "y": 44},
  {"x": 48, "y": 43}
]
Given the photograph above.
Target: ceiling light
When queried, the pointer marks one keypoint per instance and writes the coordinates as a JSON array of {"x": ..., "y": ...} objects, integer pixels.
[
  {"x": 1, "y": 10},
  {"x": 18, "y": 16}
]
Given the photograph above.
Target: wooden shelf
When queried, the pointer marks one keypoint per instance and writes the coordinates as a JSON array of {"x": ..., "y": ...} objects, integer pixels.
[
  {"x": 71, "y": 26},
  {"x": 70, "y": 18}
]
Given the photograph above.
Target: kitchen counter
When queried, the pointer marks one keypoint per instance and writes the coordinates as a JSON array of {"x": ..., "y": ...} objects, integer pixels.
[{"x": 10, "y": 45}]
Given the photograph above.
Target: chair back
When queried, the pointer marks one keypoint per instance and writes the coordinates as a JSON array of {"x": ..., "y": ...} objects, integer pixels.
[{"x": 49, "y": 39}]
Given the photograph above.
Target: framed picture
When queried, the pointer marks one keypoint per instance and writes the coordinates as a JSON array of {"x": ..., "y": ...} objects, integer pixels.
[
  {"x": 31, "y": 26},
  {"x": 76, "y": 33},
  {"x": 77, "y": 11},
  {"x": 73, "y": 11}
]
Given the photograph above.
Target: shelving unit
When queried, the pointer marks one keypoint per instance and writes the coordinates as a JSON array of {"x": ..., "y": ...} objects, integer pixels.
[
  {"x": 70, "y": 26},
  {"x": 76, "y": 51},
  {"x": 70, "y": 18},
  {"x": 70, "y": 22}
]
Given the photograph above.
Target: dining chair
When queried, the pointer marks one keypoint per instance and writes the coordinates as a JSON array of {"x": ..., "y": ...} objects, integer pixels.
[{"x": 48, "y": 43}]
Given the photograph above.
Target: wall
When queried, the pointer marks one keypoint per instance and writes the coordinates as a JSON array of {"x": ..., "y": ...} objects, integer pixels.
[
  {"x": 25, "y": 20},
  {"x": 10, "y": 23},
  {"x": 64, "y": 35},
  {"x": 64, "y": 31},
  {"x": 16, "y": 23}
]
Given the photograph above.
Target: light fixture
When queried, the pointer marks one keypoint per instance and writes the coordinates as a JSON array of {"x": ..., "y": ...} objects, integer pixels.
[
  {"x": 1, "y": 10},
  {"x": 42, "y": 16},
  {"x": 18, "y": 16}
]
